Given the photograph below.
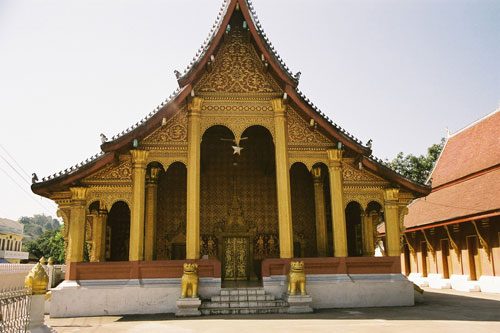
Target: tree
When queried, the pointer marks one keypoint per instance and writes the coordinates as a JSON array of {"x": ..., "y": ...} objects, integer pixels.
[
  {"x": 417, "y": 168},
  {"x": 34, "y": 226},
  {"x": 49, "y": 244}
]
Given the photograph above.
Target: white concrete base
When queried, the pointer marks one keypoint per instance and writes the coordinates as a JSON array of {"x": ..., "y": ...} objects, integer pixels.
[
  {"x": 418, "y": 279},
  {"x": 188, "y": 307},
  {"x": 490, "y": 284},
  {"x": 37, "y": 311},
  {"x": 299, "y": 303},
  {"x": 436, "y": 281},
  {"x": 119, "y": 297},
  {"x": 463, "y": 283},
  {"x": 346, "y": 291}
]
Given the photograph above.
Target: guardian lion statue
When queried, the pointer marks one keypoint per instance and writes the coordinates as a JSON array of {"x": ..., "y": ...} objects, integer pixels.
[
  {"x": 189, "y": 281},
  {"x": 296, "y": 278}
]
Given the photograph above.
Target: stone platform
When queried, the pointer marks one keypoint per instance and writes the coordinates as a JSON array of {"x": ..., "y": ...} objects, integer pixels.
[{"x": 243, "y": 301}]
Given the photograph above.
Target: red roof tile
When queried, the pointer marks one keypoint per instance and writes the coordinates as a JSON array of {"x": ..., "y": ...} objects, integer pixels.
[
  {"x": 473, "y": 196},
  {"x": 475, "y": 148},
  {"x": 470, "y": 165}
]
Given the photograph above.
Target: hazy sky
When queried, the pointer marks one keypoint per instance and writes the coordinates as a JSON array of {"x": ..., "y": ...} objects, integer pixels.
[{"x": 395, "y": 71}]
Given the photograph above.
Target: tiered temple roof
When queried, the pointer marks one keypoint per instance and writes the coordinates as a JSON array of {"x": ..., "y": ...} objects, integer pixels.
[{"x": 186, "y": 80}]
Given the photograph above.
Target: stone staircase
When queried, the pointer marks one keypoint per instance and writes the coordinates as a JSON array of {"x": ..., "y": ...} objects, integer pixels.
[{"x": 243, "y": 301}]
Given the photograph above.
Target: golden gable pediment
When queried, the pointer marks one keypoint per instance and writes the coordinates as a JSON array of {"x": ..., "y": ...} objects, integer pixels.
[
  {"x": 352, "y": 174},
  {"x": 299, "y": 131},
  {"x": 121, "y": 172},
  {"x": 173, "y": 132},
  {"x": 237, "y": 68}
]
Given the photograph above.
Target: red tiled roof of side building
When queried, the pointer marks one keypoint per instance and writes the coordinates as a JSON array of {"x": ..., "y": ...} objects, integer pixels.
[
  {"x": 475, "y": 148},
  {"x": 470, "y": 197}
]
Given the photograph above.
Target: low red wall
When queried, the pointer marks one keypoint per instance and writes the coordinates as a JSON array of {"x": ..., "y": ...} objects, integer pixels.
[
  {"x": 348, "y": 265},
  {"x": 139, "y": 269}
]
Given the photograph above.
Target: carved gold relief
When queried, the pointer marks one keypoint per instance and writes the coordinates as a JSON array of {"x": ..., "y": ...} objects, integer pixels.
[
  {"x": 167, "y": 157},
  {"x": 237, "y": 115},
  {"x": 120, "y": 172},
  {"x": 363, "y": 196},
  {"x": 351, "y": 174},
  {"x": 236, "y": 255},
  {"x": 108, "y": 195},
  {"x": 299, "y": 131},
  {"x": 173, "y": 132},
  {"x": 237, "y": 69},
  {"x": 309, "y": 158},
  {"x": 243, "y": 107}
]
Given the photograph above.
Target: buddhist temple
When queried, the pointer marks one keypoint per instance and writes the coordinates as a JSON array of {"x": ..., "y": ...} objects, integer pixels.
[
  {"x": 239, "y": 172},
  {"x": 452, "y": 235}
]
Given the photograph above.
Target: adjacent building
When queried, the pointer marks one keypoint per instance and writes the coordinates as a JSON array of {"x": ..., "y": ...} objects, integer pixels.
[
  {"x": 11, "y": 242},
  {"x": 452, "y": 235}
]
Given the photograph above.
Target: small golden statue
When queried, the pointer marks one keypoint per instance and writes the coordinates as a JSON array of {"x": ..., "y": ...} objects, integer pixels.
[
  {"x": 296, "y": 278},
  {"x": 37, "y": 280},
  {"x": 189, "y": 281}
]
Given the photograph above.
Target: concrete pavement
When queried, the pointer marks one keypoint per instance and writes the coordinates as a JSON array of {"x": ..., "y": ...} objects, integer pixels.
[{"x": 441, "y": 311}]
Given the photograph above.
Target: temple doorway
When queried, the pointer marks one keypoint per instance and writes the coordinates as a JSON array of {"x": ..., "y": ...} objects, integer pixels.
[
  {"x": 236, "y": 258},
  {"x": 119, "y": 231},
  {"x": 354, "y": 230},
  {"x": 238, "y": 203}
]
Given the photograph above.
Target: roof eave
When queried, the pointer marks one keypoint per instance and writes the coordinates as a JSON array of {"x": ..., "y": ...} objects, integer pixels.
[
  {"x": 155, "y": 121},
  {"x": 325, "y": 124},
  {"x": 419, "y": 190},
  {"x": 46, "y": 187}
]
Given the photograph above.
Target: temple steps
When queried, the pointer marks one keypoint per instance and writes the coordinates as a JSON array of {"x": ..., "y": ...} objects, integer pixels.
[{"x": 243, "y": 301}]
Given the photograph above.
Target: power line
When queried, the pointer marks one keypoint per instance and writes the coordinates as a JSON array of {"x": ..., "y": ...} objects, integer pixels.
[
  {"x": 20, "y": 167},
  {"x": 47, "y": 210},
  {"x": 15, "y": 170}
]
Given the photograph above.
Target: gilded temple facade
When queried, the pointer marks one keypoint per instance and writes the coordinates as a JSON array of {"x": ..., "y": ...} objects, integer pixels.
[{"x": 236, "y": 167}]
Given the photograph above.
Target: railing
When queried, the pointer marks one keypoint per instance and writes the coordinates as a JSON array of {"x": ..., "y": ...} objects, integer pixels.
[
  {"x": 15, "y": 268},
  {"x": 14, "y": 310},
  {"x": 12, "y": 275}
]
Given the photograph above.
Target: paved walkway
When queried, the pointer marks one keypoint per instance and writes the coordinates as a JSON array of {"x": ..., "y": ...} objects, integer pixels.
[{"x": 442, "y": 311}]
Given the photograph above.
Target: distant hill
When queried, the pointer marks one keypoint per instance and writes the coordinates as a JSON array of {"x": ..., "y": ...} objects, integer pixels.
[{"x": 34, "y": 226}]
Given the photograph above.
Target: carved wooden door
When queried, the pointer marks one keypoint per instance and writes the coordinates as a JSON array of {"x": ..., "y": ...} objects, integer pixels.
[{"x": 236, "y": 258}]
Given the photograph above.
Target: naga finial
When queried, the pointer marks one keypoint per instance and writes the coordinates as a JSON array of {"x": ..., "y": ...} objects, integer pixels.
[{"x": 37, "y": 280}]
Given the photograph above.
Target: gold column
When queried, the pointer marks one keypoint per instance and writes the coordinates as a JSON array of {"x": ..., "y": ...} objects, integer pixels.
[
  {"x": 319, "y": 204},
  {"x": 151, "y": 205},
  {"x": 337, "y": 198},
  {"x": 371, "y": 223},
  {"x": 77, "y": 224},
  {"x": 136, "y": 251},
  {"x": 392, "y": 222},
  {"x": 99, "y": 237},
  {"x": 283, "y": 179},
  {"x": 193, "y": 180},
  {"x": 367, "y": 225}
]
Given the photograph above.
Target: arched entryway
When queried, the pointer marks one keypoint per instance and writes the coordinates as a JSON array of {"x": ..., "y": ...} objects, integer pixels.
[
  {"x": 238, "y": 204},
  {"x": 354, "y": 229},
  {"x": 303, "y": 211},
  {"x": 372, "y": 220},
  {"x": 171, "y": 213},
  {"x": 119, "y": 232}
]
